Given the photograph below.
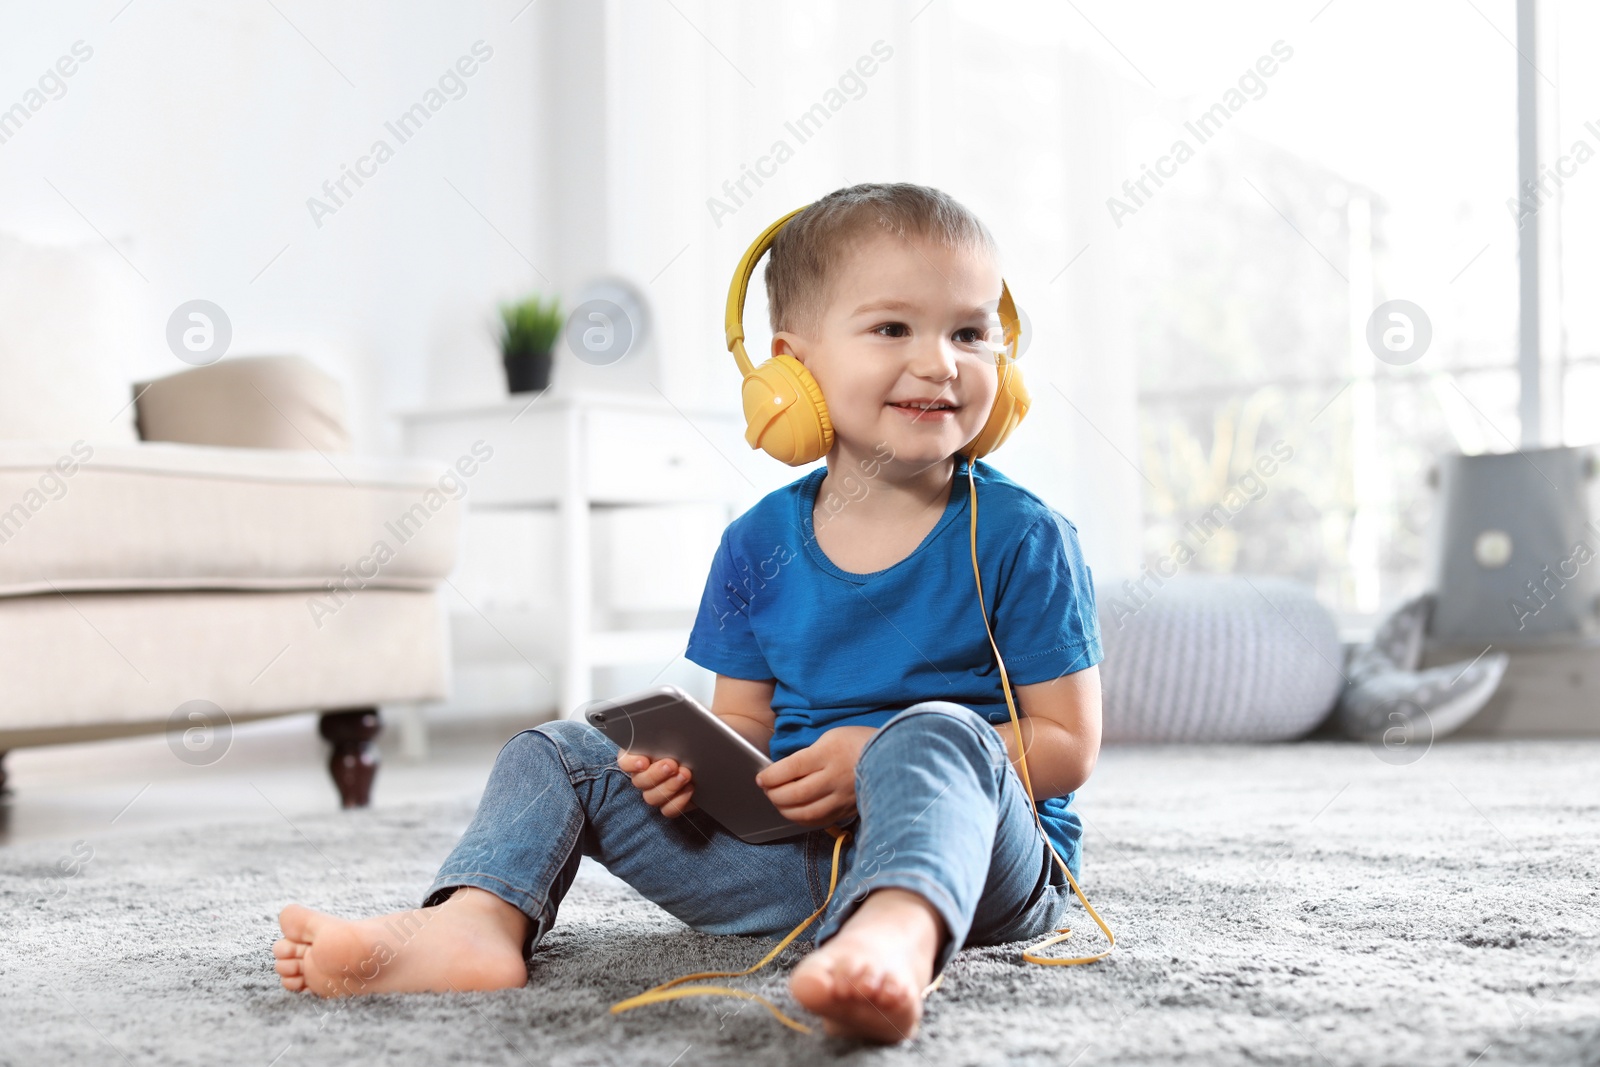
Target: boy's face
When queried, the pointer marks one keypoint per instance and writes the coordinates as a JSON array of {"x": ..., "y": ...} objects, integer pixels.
[{"x": 906, "y": 321}]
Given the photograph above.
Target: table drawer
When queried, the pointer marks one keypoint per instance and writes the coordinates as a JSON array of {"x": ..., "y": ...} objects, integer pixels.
[
  {"x": 640, "y": 457},
  {"x": 524, "y": 466}
]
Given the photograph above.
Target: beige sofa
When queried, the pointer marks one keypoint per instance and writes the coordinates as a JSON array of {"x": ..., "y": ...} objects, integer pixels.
[{"x": 229, "y": 562}]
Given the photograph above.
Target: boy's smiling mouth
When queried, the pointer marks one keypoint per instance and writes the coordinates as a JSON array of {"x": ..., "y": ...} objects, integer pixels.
[{"x": 933, "y": 408}]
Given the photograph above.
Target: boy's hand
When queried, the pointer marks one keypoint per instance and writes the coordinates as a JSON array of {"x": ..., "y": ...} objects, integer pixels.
[
  {"x": 663, "y": 784},
  {"x": 817, "y": 785}
]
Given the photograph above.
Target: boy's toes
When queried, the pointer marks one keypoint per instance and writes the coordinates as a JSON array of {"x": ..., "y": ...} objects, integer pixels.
[
  {"x": 290, "y": 968},
  {"x": 856, "y": 997},
  {"x": 812, "y": 985},
  {"x": 861, "y": 984},
  {"x": 284, "y": 949}
]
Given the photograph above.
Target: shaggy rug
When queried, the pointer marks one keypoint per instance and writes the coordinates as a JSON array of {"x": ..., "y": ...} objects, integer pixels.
[{"x": 1318, "y": 903}]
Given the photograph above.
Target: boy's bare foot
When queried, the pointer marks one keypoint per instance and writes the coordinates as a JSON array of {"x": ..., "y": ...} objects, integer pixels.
[
  {"x": 471, "y": 941},
  {"x": 867, "y": 980}
]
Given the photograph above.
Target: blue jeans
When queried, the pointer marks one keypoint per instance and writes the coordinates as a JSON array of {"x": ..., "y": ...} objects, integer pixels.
[{"x": 940, "y": 811}]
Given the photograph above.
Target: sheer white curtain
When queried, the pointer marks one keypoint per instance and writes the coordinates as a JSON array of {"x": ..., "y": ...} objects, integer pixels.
[{"x": 1003, "y": 110}]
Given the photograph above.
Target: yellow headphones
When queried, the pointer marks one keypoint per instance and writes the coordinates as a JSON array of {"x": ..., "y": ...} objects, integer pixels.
[
  {"x": 786, "y": 416},
  {"x": 784, "y": 412}
]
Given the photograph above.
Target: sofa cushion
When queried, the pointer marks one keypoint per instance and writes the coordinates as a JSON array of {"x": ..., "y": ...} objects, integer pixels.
[
  {"x": 161, "y": 516},
  {"x": 86, "y": 665},
  {"x": 67, "y": 317},
  {"x": 280, "y": 402}
]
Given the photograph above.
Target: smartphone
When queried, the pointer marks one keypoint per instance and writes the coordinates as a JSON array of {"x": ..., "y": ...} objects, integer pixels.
[{"x": 663, "y": 722}]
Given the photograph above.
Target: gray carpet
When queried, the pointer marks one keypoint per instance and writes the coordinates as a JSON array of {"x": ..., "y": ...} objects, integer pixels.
[{"x": 1295, "y": 904}]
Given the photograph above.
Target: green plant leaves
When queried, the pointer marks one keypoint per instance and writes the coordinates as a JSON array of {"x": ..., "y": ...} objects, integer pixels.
[{"x": 530, "y": 325}]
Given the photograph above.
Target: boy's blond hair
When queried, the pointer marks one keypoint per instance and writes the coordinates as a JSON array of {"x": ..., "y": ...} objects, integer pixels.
[{"x": 810, "y": 247}]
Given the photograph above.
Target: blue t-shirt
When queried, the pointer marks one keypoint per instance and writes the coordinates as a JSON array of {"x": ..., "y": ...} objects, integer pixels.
[{"x": 850, "y": 649}]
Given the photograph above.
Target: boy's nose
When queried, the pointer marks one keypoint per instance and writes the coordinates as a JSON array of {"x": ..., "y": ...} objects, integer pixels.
[{"x": 935, "y": 360}]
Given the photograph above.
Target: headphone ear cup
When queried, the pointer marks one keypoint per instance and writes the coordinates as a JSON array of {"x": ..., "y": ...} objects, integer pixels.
[
  {"x": 1011, "y": 404},
  {"x": 785, "y": 415}
]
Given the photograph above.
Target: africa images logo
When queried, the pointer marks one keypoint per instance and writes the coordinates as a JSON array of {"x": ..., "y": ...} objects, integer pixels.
[
  {"x": 805, "y": 126},
  {"x": 451, "y": 85},
  {"x": 1203, "y": 128}
]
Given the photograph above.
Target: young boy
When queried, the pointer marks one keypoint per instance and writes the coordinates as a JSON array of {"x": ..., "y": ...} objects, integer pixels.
[{"x": 841, "y": 619}]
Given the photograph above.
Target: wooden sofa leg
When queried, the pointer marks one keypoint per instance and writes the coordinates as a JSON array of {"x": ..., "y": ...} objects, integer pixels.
[
  {"x": 4, "y": 792},
  {"x": 355, "y": 758}
]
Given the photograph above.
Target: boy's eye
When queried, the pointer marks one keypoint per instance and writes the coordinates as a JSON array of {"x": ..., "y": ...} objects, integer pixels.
[{"x": 967, "y": 335}]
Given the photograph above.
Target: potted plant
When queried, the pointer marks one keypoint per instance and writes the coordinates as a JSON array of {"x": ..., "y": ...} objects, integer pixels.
[{"x": 528, "y": 332}]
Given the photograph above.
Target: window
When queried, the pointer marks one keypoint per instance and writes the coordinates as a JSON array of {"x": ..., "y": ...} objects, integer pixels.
[
  {"x": 1361, "y": 175},
  {"x": 1572, "y": 277}
]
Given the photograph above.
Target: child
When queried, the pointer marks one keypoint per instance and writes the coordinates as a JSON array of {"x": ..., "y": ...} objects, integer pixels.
[{"x": 841, "y": 619}]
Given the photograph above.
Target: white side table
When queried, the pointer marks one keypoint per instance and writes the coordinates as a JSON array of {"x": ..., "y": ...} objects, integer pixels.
[{"x": 574, "y": 450}]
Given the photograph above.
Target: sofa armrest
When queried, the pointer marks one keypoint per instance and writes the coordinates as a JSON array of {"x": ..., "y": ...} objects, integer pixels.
[{"x": 281, "y": 402}]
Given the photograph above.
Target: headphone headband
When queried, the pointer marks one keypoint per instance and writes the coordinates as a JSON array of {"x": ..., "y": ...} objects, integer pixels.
[
  {"x": 785, "y": 412},
  {"x": 1010, "y": 324}
]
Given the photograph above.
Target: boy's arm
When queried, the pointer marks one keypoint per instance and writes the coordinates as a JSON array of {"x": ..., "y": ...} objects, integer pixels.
[
  {"x": 746, "y": 706},
  {"x": 1060, "y": 723}
]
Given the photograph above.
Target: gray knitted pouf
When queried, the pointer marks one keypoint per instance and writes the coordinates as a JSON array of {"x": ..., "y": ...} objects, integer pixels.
[{"x": 1216, "y": 658}]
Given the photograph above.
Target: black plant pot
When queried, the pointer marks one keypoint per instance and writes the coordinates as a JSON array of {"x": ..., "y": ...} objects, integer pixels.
[{"x": 527, "y": 372}]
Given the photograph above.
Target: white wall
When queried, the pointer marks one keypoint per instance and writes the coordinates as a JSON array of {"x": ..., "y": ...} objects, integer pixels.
[{"x": 195, "y": 134}]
